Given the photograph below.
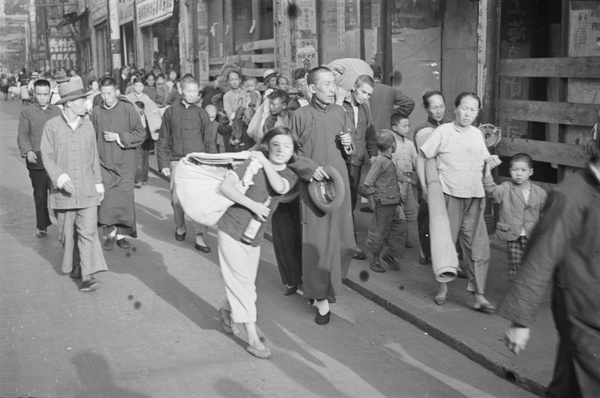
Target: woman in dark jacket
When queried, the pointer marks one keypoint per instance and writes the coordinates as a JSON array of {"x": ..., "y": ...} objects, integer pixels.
[{"x": 564, "y": 253}]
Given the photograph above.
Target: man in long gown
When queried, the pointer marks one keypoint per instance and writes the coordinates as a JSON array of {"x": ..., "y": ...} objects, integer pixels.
[
  {"x": 119, "y": 132},
  {"x": 327, "y": 239}
]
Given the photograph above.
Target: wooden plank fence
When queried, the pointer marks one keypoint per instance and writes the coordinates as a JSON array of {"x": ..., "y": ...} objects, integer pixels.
[
  {"x": 543, "y": 151},
  {"x": 550, "y": 112},
  {"x": 254, "y": 58},
  {"x": 578, "y": 67}
]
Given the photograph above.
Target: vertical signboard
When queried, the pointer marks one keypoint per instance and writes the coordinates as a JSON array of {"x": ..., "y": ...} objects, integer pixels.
[{"x": 204, "y": 67}]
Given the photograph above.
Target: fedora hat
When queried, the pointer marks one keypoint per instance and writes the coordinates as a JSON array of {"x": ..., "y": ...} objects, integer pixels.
[
  {"x": 328, "y": 194},
  {"x": 62, "y": 79},
  {"x": 71, "y": 91}
]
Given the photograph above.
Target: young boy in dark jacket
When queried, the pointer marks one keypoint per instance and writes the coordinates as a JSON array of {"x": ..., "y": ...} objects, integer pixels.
[{"x": 386, "y": 228}]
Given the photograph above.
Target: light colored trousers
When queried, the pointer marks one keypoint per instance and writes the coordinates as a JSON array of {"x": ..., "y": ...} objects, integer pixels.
[
  {"x": 80, "y": 225},
  {"x": 178, "y": 213},
  {"x": 468, "y": 226},
  {"x": 239, "y": 265}
]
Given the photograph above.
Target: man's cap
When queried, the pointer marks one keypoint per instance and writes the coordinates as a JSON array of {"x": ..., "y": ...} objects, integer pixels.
[
  {"x": 71, "y": 91},
  {"x": 269, "y": 73},
  {"x": 328, "y": 194}
]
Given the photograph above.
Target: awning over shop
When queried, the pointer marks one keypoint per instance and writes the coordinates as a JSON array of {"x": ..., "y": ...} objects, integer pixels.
[{"x": 150, "y": 12}]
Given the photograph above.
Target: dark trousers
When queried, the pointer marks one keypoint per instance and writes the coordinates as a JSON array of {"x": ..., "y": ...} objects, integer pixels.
[
  {"x": 387, "y": 228},
  {"x": 287, "y": 242},
  {"x": 41, "y": 186},
  {"x": 354, "y": 177},
  {"x": 423, "y": 226},
  {"x": 143, "y": 160}
]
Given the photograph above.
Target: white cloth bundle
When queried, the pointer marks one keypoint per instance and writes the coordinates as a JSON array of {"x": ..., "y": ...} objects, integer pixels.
[{"x": 197, "y": 182}]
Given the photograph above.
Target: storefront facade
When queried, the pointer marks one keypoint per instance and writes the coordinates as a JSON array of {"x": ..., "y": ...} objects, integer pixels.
[
  {"x": 158, "y": 31},
  {"x": 100, "y": 36},
  {"x": 127, "y": 31},
  {"x": 489, "y": 47}
]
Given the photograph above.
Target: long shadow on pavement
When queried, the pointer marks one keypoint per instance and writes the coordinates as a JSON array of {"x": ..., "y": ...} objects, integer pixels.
[
  {"x": 96, "y": 379},
  {"x": 202, "y": 313},
  {"x": 304, "y": 351},
  {"x": 148, "y": 266},
  {"x": 17, "y": 218}
]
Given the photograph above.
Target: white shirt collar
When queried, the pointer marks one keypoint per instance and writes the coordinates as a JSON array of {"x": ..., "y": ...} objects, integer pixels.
[{"x": 72, "y": 124}]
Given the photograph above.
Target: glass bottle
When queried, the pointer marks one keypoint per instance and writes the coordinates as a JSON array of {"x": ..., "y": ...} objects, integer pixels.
[{"x": 254, "y": 226}]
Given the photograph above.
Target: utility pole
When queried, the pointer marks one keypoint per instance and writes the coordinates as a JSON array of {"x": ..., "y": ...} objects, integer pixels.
[
  {"x": 32, "y": 36},
  {"x": 115, "y": 33}
]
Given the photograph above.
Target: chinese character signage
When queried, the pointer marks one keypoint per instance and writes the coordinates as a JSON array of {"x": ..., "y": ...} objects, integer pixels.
[
  {"x": 307, "y": 19},
  {"x": 63, "y": 51},
  {"x": 584, "y": 29},
  {"x": 150, "y": 12}
]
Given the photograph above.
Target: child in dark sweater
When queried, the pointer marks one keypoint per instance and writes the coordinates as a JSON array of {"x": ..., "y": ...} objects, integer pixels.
[{"x": 387, "y": 227}]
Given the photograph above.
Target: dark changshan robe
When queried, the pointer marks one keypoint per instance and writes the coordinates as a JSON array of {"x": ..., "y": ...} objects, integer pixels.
[
  {"x": 118, "y": 164},
  {"x": 327, "y": 239}
]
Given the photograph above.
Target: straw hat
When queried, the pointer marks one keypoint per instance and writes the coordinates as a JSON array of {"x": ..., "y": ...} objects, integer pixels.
[{"x": 269, "y": 73}]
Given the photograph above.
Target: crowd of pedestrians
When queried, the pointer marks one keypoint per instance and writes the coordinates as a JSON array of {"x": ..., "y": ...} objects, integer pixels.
[{"x": 86, "y": 143}]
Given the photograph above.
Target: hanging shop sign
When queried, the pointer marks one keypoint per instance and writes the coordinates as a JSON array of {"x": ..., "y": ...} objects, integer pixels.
[{"x": 150, "y": 12}]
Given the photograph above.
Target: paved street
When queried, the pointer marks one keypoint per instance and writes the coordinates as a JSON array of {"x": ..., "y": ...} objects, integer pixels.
[{"x": 151, "y": 331}]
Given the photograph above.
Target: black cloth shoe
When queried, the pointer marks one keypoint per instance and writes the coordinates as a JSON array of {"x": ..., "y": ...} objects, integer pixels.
[
  {"x": 203, "y": 249},
  {"x": 322, "y": 319},
  {"x": 366, "y": 209},
  {"x": 290, "y": 290},
  {"x": 123, "y": 244},
  {"x": 109, "y": 243},
  {"x": 76, "y": 273},
  {"x": 423, "y": 260}
]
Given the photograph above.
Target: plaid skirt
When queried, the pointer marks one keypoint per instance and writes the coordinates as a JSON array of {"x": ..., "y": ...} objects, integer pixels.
[{"x": 516, "y": 249}]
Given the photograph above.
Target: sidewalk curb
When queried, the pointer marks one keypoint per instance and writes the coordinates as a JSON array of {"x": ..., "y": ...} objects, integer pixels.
[
  {"x": 412, "y": 315},
  {"x": 477, "y": 355}
]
